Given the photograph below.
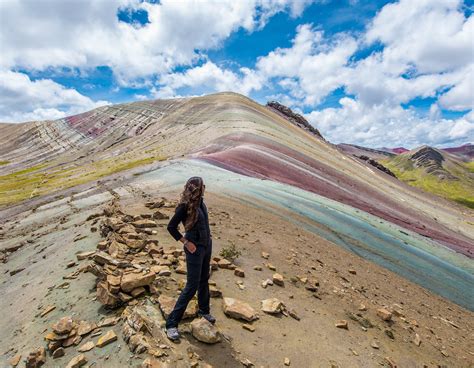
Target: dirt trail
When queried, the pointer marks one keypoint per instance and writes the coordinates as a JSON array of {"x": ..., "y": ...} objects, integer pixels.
[{"x": 33, "y": 278}]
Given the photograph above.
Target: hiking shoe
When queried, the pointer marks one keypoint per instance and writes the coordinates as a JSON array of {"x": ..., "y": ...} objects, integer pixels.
[
  {"x": 207, "y": 316},
  {"x": 172, "y": 333}
]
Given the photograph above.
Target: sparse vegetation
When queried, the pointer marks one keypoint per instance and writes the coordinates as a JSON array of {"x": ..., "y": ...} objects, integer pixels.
[
  {"x": 4, "y": 163},
  {"x": 230, "y": 252},
  {"x": 460, "y": 191},
  {"x": 34, "y": 181}
]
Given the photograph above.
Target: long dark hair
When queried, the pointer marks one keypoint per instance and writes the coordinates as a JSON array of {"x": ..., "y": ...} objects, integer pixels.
[{"x": 191, "y": 197}]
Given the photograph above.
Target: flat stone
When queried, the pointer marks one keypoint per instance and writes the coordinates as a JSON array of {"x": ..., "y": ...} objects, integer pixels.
[
  {"x": 108, "y": 338},
  {"x": 237, "y": 309},
  {"x": 145, "y": 223},
  {"x": 205, "y": 331},
  {"x": 63, "y": 326},
  {"x": 161, "y": 270},
  {"x": 226, "y": 264},
  {"x": 85, "y": 327},
  {"x": 138, "y": 291},
  {"x": 109, "y": 321},
  {"x": 84, "y": 255},
  {"x": 77, "y": 361},
  {"x": 248, "y": 327},
  {"x": 239, "y": 272},
  {"x": 86, "y": 347},
  {"x": 103, "y": 258},
  {"x": 272, "y": 306},
  {"x": 131, "y": 280}
]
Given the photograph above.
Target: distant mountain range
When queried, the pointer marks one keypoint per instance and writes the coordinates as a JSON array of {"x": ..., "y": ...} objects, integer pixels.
[
  {"x": 447, "y": 172},
  {"x": 465, "y": 151}
]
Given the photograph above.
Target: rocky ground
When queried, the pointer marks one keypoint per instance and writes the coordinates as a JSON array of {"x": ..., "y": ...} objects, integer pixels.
[{"x": 88, "y": 280}]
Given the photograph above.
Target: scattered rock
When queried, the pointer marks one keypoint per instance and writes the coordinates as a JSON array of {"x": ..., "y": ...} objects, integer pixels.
[
  {"x": 85, "y": 327},
  {"x": 286, "y": 361},
  {"x": 342, "y": 324},
  {"x": 239, "y": 272},
  {"x": 278, "y": 279},
  {"x": 248, "y": 327},
  {"x": 272, "y": 306},
  {"x": 265, "y": 255},
  {"x": 384, "y": 314},
  {"x": 145, "y": 223},
  {"x": 237, "y": 309},
  {"x": 86, "y": 347},
  {"x": 205, "y": 331},
  {"x": 226, "y": 264},
  {"x": 417, "y": 340},
  {"x": 108, "y": 338},
  {"x": 375, "y": 345},
  {"x": 77, "y": 361},
  {"x": 84, "y": 255},
  {"x": 215, "y": 292}
]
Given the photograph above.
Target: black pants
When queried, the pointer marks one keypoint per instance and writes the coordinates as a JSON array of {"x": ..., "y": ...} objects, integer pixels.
[{"x": 197, "y": 279}]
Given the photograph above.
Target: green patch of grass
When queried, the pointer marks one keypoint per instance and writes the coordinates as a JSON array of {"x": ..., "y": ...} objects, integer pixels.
[
  {"x": 32, "y": 182},
  {"x": 4, "y": 163},
  {"x": 460, "y": 191},
  {"x": 469, "y": 166}
]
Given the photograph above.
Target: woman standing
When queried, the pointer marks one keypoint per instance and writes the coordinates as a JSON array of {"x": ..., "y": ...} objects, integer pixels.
[{"x": 197, "y": 244}]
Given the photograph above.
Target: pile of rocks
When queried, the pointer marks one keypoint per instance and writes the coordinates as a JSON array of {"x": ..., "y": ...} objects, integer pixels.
[{"x": 128, "y": 263}]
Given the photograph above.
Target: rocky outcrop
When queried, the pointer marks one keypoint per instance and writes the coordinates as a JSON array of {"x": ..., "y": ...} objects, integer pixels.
[
  {"x": 293, "y": 117},
  {"x": 377, "y": 165},
  {"x": 431, "y": 160}
]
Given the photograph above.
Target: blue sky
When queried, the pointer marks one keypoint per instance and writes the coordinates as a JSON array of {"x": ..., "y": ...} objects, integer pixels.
[{"x": 375, "y": 73}]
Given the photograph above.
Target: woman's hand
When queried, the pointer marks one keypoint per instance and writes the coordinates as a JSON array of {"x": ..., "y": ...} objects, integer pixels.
[{"x": 191, "y": 246}]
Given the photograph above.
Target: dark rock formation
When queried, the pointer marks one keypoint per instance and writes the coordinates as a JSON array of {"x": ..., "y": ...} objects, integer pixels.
[
  {"x": 432, "y": 161},
  {"x": 293, "y": 117},
  {"x": 376, "y": 165}
]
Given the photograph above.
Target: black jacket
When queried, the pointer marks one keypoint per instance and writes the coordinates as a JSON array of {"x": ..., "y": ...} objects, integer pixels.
[{"x": 200, "y": 233}]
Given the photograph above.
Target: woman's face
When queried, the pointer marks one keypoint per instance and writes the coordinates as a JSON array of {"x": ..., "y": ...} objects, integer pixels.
[{"x": 203, "y": 189}]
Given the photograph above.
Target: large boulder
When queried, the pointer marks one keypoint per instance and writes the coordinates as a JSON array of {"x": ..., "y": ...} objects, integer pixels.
[
  {"x": 205, "y": 331},
  {"x": 134, "y": 280}
]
